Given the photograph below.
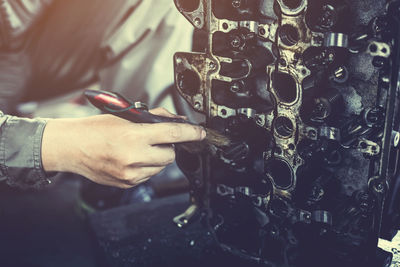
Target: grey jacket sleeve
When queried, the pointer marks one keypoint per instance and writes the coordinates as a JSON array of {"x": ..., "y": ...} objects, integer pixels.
[{"x": 20, "y": 152}]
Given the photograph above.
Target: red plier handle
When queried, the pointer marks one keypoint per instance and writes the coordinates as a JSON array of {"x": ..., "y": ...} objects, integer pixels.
[{"x": 116, "y": 104}]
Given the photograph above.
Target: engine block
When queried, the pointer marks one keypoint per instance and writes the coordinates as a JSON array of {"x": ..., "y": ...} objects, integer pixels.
[{"x": 307, "y": 91}]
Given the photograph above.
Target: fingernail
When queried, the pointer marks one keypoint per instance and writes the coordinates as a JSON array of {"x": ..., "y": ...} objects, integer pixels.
[{"x": 203, "y": 134}]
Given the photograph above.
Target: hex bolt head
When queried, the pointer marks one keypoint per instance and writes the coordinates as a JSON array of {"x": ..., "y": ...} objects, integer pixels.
[
  {"x": 236, "y": 3},
  {"x": 396, "y": 139},
  {"x": 212, "y": 65}
]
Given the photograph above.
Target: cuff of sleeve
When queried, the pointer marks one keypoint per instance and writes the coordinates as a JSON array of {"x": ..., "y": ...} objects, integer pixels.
[{"x": 20, "y": 152}]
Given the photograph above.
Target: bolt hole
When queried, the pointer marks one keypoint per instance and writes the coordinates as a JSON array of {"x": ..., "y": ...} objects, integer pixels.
[
  {"x": 312, "y": 133},
  {"x": 189, "y": 82},
  {"x": 373, "y": 48},
  {"x": 289, "y": 35},
  {"x": 283, "y": 126},
  {"x": 292, "y": 4},
  {"x": 363, "y": 145},
  {"x": 221, "y": 189},
  {"x": 285, "y": 86},
  {"x": 280, "y": 172},
  {"x": 197, "y": 21},
  {"x": 225, "y": 26},
  {"x": 236, "y": 3}
]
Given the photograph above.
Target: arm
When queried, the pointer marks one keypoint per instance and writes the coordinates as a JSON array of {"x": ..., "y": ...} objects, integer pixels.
[{"x": 105, "y": 149}]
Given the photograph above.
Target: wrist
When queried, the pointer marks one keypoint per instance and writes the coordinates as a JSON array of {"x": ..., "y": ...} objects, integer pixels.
[{"x": 57, "y": 146}]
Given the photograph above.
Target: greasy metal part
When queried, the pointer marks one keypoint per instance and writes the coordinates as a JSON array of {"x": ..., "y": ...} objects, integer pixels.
[
  {"x": 396, "y": 139},
  {"x": 183, "y": 219},
  {"x": 278, "y": 78},
  {"x": 140, "y": 105},
  {"x": 380, "y": 185},
  {"x": 379, "y": 49},
  {"x": 368, "y": 147},
  {"x": 333, "y": 39}
]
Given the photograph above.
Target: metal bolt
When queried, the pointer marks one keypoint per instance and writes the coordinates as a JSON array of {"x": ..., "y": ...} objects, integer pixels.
[
  {"x": 385, "y": 79},
  {"x": 235, "y": 87},
  {"x": 197, "y": 22},
  {"x": 322, "y": 109},
  {"x": 340, "y": 75},
  {"x": 262, "y": 31},
  {"x": 312, "y": 134},
  {"x": 197, "y": 105},
  {"x": 379, "y": 187},
  {"x": 327, "y": 19},
  {"x": 378, "y": 62},
  {"x": 236, "y": 3},
  {"x": 396, "y": 139},
  {"x": 260, "y": 121},
  {"x": 211, "y": 65},
  {"x": 235, "y": 43}
]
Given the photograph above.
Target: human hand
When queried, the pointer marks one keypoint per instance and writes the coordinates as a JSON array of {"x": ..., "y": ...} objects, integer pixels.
[{"x": 112, "y": 151}]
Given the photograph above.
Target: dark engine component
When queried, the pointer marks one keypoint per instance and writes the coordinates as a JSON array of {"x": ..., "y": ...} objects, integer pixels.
[{"x": 308, "y": 92}]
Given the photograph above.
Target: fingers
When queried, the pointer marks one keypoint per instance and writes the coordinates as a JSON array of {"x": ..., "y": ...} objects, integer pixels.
[
  {"x": 126, "y": 184},
  {"x": 171, "y": 133},
  {"x": 140, "y": 175},
  {"x": 157, "y": 156},
  {"x": 165, "y": 113},
  {"x": 136, "y": 176},
  {"x": 153, "y": 160},
  {"x": 115, "y": 152}
]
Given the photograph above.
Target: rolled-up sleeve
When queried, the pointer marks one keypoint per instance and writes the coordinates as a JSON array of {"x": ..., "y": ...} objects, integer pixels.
[{"x": 20, "y": 152}]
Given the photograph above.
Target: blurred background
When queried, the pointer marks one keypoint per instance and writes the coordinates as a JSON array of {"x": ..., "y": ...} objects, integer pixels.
[{"x": 52, "y": 51}]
